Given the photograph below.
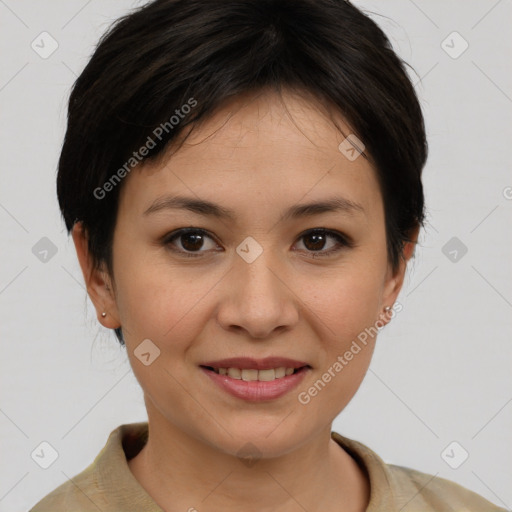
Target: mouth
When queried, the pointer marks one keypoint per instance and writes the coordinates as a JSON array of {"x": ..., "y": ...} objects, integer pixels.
[{"x": 256, "y": 380}]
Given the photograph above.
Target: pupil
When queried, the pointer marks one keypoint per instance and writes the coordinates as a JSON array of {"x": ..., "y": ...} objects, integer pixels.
[
  {"x": 318, "y": 241},
  {"x": 195, "y": 241}
]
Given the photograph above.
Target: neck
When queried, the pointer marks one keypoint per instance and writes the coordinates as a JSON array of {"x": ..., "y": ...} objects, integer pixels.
[{"x": 181, "y": 472}]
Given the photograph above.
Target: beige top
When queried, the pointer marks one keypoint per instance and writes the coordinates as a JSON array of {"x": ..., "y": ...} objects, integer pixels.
[{"x": 108, "y": 485}]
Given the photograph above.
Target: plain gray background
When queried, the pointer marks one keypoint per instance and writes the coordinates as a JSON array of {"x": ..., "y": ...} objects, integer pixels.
[{"x": 441, "y": 370}]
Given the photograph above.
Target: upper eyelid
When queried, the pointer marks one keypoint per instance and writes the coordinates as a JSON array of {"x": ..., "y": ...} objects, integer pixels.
[
  {"x": 183, "y": 231},
  {"x": 329, "y": 232}
]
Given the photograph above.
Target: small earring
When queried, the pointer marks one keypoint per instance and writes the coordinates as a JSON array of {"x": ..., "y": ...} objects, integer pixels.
[
  {"x": 387, "y": 309},
  {"x": 103, "y": 314}
]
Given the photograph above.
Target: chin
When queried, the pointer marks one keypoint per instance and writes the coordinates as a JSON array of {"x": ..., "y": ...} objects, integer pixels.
[{"x": 265, "y": 440}]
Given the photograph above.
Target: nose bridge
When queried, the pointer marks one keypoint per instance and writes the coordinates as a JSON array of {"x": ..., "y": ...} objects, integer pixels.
[
  {"x": 255, "y": 262},
  {"x": 259, "y": 277},
  {"x": 256, "y": 298}
]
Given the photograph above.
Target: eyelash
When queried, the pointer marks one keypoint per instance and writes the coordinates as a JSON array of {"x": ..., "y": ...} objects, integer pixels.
[{"x": 342, "y": 240}]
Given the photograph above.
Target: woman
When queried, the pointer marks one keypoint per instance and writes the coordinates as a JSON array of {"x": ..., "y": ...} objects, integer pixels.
[{"x": 242, "y": 182}]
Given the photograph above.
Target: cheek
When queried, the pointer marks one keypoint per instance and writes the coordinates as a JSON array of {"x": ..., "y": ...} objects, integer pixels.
[
  {"x": 162, "y": 302},
  {"x": 347, "y": 303},
  {"x": 344, "y": 314}
]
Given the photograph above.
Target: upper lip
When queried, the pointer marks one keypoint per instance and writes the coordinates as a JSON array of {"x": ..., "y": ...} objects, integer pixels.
[{"x": 258, "y": 364}]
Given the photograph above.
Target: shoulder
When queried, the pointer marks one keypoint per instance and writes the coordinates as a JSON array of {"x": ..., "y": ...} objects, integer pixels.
[
  {"x": 79, "y": 493},
  {"x": 423, "y": 491},
  {"x": 394, "y": 487},
  {"x": 107, "y": 484}
]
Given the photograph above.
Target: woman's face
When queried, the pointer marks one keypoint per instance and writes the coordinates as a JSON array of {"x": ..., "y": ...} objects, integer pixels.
[{"x": 257, "y": 284}]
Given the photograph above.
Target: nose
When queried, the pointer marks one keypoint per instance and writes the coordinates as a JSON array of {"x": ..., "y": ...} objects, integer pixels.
[{"x": 258, "y": 298}]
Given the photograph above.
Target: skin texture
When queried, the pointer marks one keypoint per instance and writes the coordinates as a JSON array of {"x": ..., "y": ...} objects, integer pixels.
[{"x": 258, "y": 155}]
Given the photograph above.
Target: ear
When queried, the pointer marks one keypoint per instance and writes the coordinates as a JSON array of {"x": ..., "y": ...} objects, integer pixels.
[
  {"x": 98, "y": 283},
  {"x": 395, "y": 277}
]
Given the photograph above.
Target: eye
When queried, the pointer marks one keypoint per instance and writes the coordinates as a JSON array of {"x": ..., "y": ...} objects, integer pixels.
[
  {"x": 191, "y": 241},
  {"x": 315, "y": 242},
  {"x": 188, "y": 242}
]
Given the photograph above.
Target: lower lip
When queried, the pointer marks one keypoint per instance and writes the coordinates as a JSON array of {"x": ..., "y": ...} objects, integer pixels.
[{"x": 256, "y": 390}]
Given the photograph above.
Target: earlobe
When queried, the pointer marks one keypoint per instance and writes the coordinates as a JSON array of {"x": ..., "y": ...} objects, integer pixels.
[
  {"x": 391, "y": 290},
  {"x": 96, "y": 280}
]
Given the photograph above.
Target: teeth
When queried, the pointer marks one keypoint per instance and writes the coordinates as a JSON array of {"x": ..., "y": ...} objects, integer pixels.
[
  {"x": 234, "y": 373},
  {"x": 253, "y": 374},
  {"x": 280, "y": 372},
  {"x": 249, "y": 375},
  {"x": 266, "y": 375}
]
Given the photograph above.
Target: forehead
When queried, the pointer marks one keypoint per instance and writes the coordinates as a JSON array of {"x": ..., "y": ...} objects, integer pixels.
[
  {"x": 275, "y": 121},
  {"x": 259, "y": 147}
]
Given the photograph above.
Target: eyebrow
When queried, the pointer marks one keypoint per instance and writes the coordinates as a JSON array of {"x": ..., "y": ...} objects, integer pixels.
[{"x": 207, "y": 208}]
